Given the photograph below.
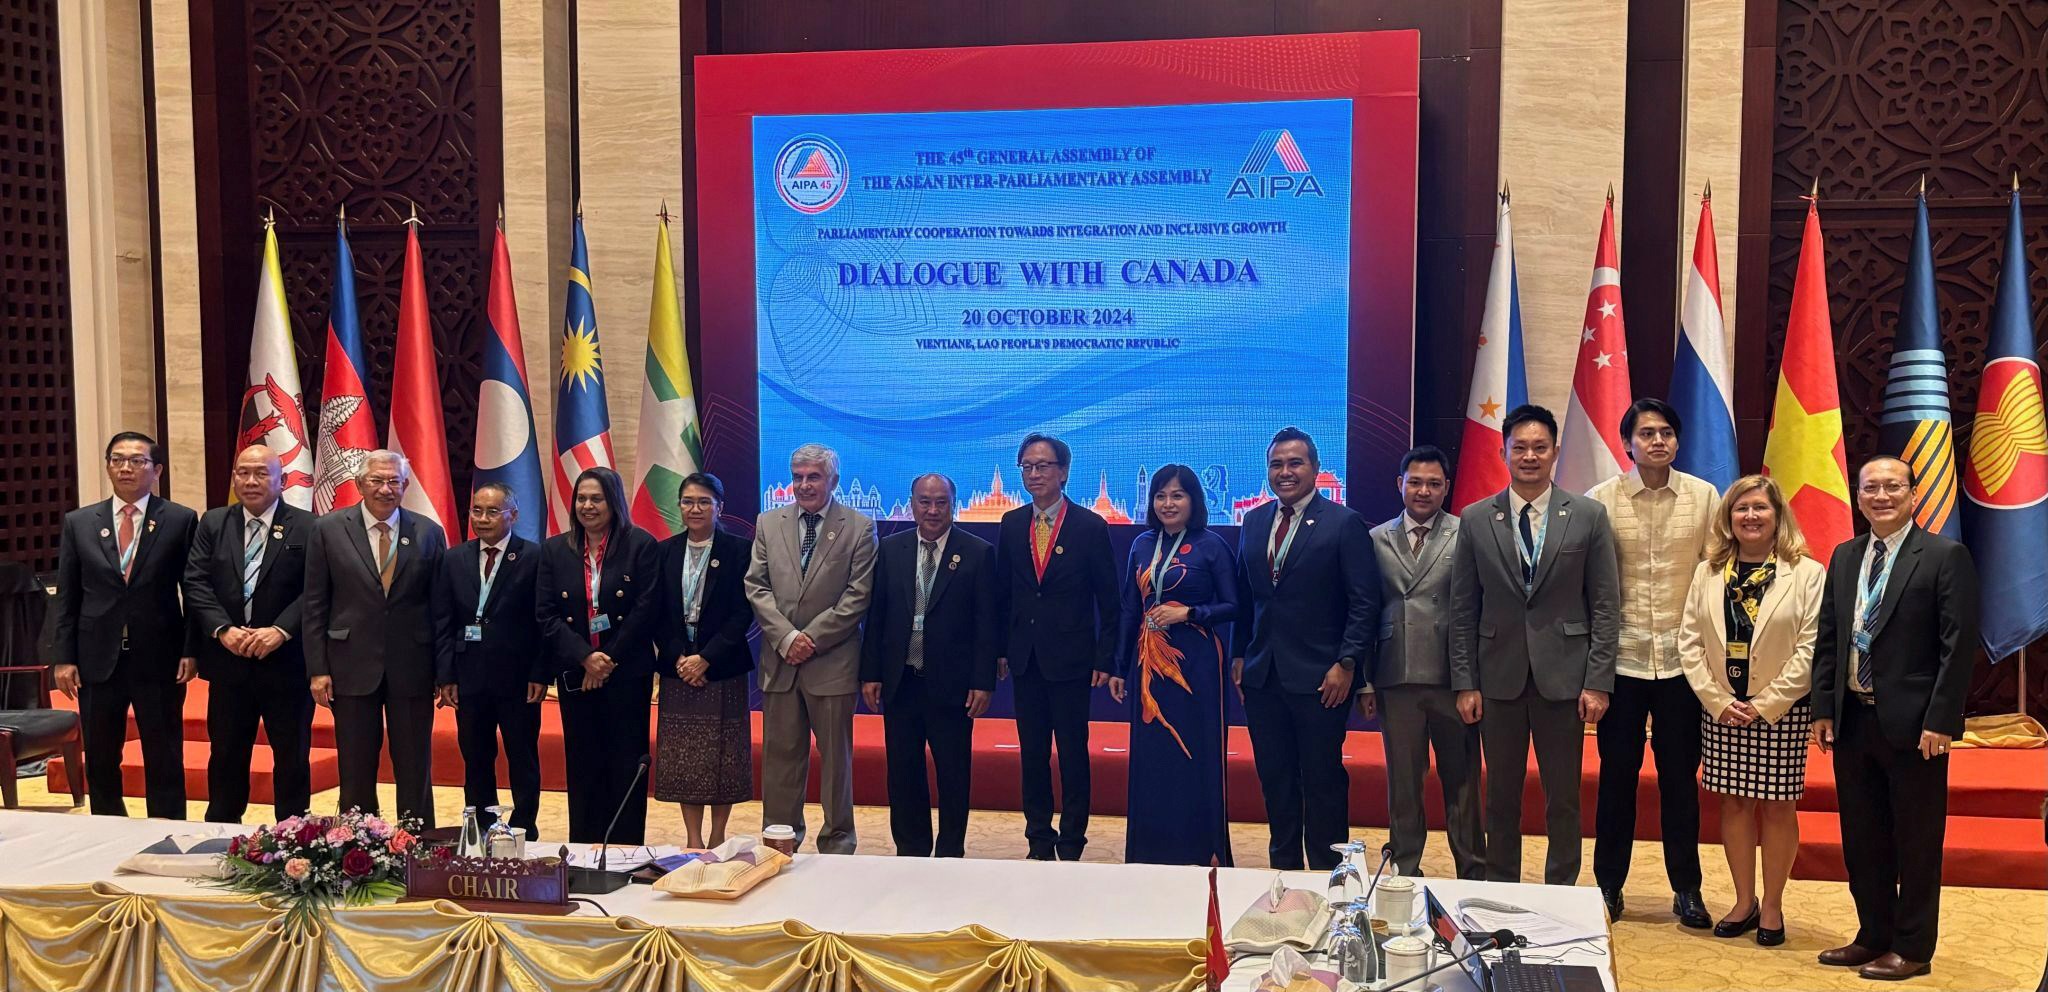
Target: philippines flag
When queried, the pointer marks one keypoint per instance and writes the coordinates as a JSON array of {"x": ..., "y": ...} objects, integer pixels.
[
  {"x": 347, "y": 432},
  {"x": 507, "y": 448},
  {"x": 417, "y": 430},
  {"x": 1702, "y": 373},
  {"x": 1591, "y": 451},
  {"x": 583, "y": 424},
  {"x": 1499, "y": 383},
  {"x": 1916, "y": 424},
  {"x": 2006, "y": 479}
]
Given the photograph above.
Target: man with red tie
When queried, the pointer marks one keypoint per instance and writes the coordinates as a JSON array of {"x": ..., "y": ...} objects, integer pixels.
[{"x": 121, "y": 641}]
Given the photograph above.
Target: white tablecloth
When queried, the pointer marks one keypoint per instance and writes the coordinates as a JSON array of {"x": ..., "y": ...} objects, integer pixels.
[{"x": 1026, "y": 900}]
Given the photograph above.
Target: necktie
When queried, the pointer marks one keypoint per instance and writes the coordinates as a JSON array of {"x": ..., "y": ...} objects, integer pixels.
[
  {"x": 252, "y": 565},
  {"x": 385, "y": 559},
  {"x": 490, "y": 563},
  {"x": 1528, "y": 544},
  {"x": 127, "y": 540},
  {"x": 1870, "y": 595},
  {"x": 927, "y": 567},
  {"x": 1041, "y": 536},
  {"x": 1421, "y": 534},
  {"x": 1280, "y": 538},
  {"x": 810, "y": 543}
]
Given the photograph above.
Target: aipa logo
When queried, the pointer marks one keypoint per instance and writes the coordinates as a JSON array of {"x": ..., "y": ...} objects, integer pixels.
[{"x": 1274, "y": 144}]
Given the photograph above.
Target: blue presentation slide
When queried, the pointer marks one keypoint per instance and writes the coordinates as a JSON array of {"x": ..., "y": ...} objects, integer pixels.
[{"x": 1152, "y": 284}]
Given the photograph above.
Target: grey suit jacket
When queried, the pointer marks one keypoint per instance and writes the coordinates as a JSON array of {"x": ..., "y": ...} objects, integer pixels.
[
  {"x": 827, "y": 603},
  {"x": 1564, "y": 631},
  {"x": 1415, "y": 603},
  {"x": 354, "y": 631}
]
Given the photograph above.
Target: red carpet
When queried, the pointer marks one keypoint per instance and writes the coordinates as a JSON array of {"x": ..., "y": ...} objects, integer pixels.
[{"x": 1994, "y": 830}]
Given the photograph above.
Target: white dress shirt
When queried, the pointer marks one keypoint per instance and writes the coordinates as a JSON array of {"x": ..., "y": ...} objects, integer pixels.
[{"x": 1862, "y": 580}]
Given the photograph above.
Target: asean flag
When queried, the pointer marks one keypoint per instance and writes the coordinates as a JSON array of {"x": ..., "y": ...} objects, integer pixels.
[
  {"x": 1804, "y": 451},
  {"x": 1499, "y": 383}
]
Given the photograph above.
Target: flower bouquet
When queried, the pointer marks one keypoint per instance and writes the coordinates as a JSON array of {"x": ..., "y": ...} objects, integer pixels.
[{"x": 313, "y": 863}]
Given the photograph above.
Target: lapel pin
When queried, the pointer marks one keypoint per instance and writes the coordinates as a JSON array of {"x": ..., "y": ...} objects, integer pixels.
[
  {"x": 1562, "y": 512},
  {"x": 830, "y": 535},
  {"x": 106, "y": 533},
  {"x": 565, "y": 595},
  {"x": 1310, "y": 522},
  {"x": 1058, "y": 550},
  {"x": 619, "y": 593},
  {"x": 953, "y": 565},
  {"x": 152, "y": 526},
  {"x": 404, "y": 541},
  {"x": 511, "y": 556},
  {"x": 956, "y": 559},
  {"x": 714, "y": 563},
  {"x": 1497, "y": 515},
  {"x": 277, "y": 533}
]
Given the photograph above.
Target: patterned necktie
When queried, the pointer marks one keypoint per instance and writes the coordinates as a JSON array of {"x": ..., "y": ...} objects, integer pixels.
[
  {"x": 1280, "y": 538},
  {"x": 810, "y": 543},
  {"x": 1041, "y": 536},
  {"x": 490, "y": 563},
  {"x": 1421, "y": 534},
  {"x": 252, "y": 565},
  {"x": 385, "y": 559},
  {"x": 127, "y": 540},
  {"x": 1528, "y": 545},
  {"x": 927, "y": 567},
  {"x": 1870, "y": 594}
]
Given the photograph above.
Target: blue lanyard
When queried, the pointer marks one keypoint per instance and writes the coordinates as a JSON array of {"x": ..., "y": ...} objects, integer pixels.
[
  {"x": 694, "y": 567},
  {"x": 1532, "y": 556},
  {"x": 1873, "y": 596},
  {"x": 483, "y": 592}
]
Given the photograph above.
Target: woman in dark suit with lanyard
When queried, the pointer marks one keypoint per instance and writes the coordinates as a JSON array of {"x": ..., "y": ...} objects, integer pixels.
[
  {"x": 595, "y": 598},
  {"x": 704, "y": 748}
]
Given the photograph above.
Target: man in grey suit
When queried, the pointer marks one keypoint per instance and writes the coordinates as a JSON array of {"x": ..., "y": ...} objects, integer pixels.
[
  {"x": 1411, "y": 680},
  {"x": 812, "y": 574},
  {"x": 1536, "y": 622}
]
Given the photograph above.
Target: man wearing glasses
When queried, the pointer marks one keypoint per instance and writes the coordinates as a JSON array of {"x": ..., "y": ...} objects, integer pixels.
[
  {"x": 120, "y": 641},
  {"x": 1056, "y": 591},
  {"x": 370, "y": 636}
]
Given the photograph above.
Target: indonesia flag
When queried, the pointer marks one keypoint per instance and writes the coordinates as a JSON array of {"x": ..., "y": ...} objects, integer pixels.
[
  {"x": 347, "y": 433},
  {"x": 1499, "y": 383},
  {"x": 1702, "y": 372},
  {"x": 1591, "y": 451},
  {"x": 416, "y": 427},
  {"x": 583, "y": 423},
  {"x": 507, "y": 447}
]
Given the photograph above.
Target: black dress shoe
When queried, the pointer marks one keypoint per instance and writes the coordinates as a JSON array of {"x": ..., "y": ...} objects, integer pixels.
[
  {"x": 1691, "y": 910},
  {"x": 1612, "y": 897},
  {"x": 1767, "y": 937},
  {"x": 1736, "y": 928},
  {"x": 1037, "y": 855}
]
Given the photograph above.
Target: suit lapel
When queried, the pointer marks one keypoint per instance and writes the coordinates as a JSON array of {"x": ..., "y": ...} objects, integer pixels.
[
  {"x": 281, "y": 522},
  {"x": 109, "y": 536},
  {"x": 405, "y": 552},
  {"x": 145, "y": 537},
  {"x": 1258, "y": 524},
  {"x": 1504, "y": 536},
  {"x": 361, "y": 539},
  {"x": 1718, "y": 585},
  {"x": 828, "y": 535},
  {"x": 942, "y": 570},
  {"x": 512, "y": 550},
  {"x": 1555, "y": 533},
  {"x": 1303, "y": 539},
  {"x": 1895, "y": 586},
  {"x": 1433, "y": 545},
  {"x": 1781, "y": 586}
]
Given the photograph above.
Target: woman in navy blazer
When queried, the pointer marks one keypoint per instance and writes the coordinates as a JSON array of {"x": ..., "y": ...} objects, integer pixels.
[{"x": 601, "y": 650}]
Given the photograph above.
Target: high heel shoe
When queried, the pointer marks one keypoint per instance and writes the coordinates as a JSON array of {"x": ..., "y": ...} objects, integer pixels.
[
  {"x": 1766, "y": 936},
  {"x": 1737, "y": 928}
]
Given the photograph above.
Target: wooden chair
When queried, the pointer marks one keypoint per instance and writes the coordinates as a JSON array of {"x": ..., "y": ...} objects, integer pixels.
[{"x": 39, "y": 732}]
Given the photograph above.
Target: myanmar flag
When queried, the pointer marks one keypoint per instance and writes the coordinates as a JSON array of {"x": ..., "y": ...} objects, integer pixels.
[
  {"x": 668, "y": 444},
  {"x": 1804, "y": 451}
]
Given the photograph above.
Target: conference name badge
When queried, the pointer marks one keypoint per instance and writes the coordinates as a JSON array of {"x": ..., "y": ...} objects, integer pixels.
[
  {"x": 1739, "y": 652},
  {"x": 473, "y": 632},
  {"x": 1863, "y": 641},
  {"x": 600, "y": 623}
]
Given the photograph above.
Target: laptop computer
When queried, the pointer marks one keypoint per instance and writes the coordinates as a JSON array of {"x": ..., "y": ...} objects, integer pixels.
[{"x": 1511, "y": 973}]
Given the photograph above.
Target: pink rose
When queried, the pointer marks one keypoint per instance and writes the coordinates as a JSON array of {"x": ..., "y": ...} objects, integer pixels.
[
  {"x": 357, "y": 863},
  {"x": 402, "y": 842},
  {"x": 377, "y": 828},
  {"x": 338, "y": 836},
  {"x": 298, "y": 868}
]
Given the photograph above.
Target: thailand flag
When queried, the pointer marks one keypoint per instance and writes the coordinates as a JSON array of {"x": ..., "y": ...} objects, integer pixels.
[
  {"x": 1499, "y": 383},
  {"x": 507, "y": 448},
  {"x": 347, "y": 432},
  {"x": 1702, "y": 373},
  {"x": 1592, "y": 449},
  {"x": 417, "y": 429},
  {"x": 583, "y": 423}
]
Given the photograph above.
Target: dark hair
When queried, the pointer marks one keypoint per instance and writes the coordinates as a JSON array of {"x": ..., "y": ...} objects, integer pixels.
[
  {"x": 705, "y": 480},
  {"x": 1528, "y": 413},
  {"x": 1424, "y": 453},
  {"x": 156, "y": 451},
  {"x": 952, "y": 491},
  {"x": 1060, "y": 452},
  {"x": 614, "y": 490},
  {"x": 1649, "y": 404},
  {"x": 1912, "y": 477},
  {"x": 1292, "y": 433},
  {"x": 1198, "y": 507},
  {"x": 511, "y": 498}
]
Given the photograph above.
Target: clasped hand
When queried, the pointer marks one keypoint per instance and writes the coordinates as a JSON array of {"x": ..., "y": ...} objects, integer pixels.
[{"x": 597, "y": 667}]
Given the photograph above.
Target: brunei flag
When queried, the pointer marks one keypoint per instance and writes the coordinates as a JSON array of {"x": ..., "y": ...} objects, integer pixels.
[
  {"x": 1804, "y": 450},
  {"x": 668, "y": 445},
  {"x": 2005, "y": 481},
  {"x": 1916, "y": 424}
]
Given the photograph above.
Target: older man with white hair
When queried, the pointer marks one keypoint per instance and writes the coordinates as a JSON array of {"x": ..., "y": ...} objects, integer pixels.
[
  {"x": 369, "y": 635},
  {"x": 809, "y": 582}
]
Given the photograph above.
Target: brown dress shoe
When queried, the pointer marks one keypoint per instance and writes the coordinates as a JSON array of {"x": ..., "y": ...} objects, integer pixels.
[
  {"x": 1849, "y": 956},
  {"x": 1892, "y": 968}
]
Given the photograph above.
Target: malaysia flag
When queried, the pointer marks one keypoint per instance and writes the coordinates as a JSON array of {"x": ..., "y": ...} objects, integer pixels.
[
  {"x": 583, "y": 423},
  {"x": 1499, "y": 382}
]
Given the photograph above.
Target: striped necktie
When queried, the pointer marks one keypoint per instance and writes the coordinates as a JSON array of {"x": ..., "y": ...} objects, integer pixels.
[
  {"x": 252, "y": 565},
  {"x": 810, "y": 542}
]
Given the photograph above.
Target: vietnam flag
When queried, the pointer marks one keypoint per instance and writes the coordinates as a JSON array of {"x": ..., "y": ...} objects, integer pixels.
[
  {"x": 1218, "y": 963},
  {"x": 1804, "y": 451}
]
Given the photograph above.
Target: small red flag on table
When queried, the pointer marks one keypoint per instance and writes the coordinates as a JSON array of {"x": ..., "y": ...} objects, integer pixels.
[{"x": 1219, "y": 962}]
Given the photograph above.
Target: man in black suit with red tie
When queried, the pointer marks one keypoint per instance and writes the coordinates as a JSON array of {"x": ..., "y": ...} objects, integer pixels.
[
  {"x": 928, "y": 664},
  {"x": 243, "y": 585},
  {"x": 1056, "y": 593},
  {"x": 1310, "y": 579},
  {"x": 1891, "y": 665},
  {"x": 120, "y": 638},
  {"x": 488, "y": 655}
]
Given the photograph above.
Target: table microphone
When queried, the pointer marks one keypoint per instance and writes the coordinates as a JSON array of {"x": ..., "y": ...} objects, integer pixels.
[
  {"x": 1386, "y": 854},
  {"x": 1494, "y": 941},
  {"x": 597, "y": 880}
]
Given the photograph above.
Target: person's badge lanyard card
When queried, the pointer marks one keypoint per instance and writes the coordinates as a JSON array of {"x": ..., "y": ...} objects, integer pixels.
[
  {"x": 593, "y": 570},
  {"x": 474, "y": 632},
  {"x": 694, "y": 567}
]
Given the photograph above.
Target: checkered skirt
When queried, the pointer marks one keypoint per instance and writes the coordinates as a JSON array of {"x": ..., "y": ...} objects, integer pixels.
[{"x": 1760, "y": 761}]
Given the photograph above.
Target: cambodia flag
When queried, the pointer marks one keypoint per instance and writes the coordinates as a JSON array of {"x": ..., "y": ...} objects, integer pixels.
[
  {"x": 1916, "y": 424},
  {"x": 1804, "y": 450},
  {"x": 417, "y": 429},
  {"x": 507, "y": 447},
  {"x": 583, "y": 423},
  {"x": 1592, "y": 450},
  {"x": 1499, "y": 382},
  {"x": 2006, "y": 479},
  {"x": 1702, "y": 373},
  {"x": 347, "y": 432}
]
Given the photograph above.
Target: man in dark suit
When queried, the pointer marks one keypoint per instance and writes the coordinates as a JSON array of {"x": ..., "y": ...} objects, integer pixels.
[
  {"x": 1891, "y": 665},
  {"x": 1312, "y": 586},
  {"x": 120, "y": 638},
  {"x": 928, "y": 664},
  {"x": 488, "y": 655},
  {"x": 243, "y": 584},
  {"x": 1536, "y": 622},
  {"x": 1056, "y": 593},
  {"x": 370, "y": 636}
]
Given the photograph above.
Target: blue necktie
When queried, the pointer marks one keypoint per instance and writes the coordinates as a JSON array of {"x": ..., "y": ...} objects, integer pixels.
[
  {"x": 252, "y": 565},
  {"x": 810, "y": 542}
]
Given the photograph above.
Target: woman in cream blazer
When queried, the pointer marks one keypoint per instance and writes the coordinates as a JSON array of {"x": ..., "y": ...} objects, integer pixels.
[{"x": 1748, "y": 653}]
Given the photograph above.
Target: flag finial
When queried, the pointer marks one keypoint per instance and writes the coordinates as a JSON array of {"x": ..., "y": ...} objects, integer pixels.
[
  {"x": 1707, "y": 192},
  {"x": 1814, "y": 192},
  {"x": 2015, "y": 180},
  {"x": 1506, "y": 195},
  {"x": 1610, "y": 193},
  {"x": 501, "y": 215},
  {"x": 579, "y": 208},
  {"x": 413, "y": 217},
  {"x": 269, "y": 217},
  {"x": 663, "y": 214},
  {"x": 1923, "y": 185}
]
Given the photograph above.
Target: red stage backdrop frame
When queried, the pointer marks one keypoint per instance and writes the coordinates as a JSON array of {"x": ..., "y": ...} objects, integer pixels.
[{"x": 1379, "y": 71}]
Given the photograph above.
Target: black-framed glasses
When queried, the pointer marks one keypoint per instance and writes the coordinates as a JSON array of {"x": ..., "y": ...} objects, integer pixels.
[{"x": 132, "y": 461}]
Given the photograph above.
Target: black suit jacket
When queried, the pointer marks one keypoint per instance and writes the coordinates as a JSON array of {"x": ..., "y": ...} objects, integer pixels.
[
  {"x": 1924, "y": 638},
  {"x": 723, "y": 613},
  {"x": 1065, "y": 623},
  {"x": 94, "y": 606},
  {"x": 629, "y": 588},
  {"x": 1326, "y": 606},
  {"x": 357, "y": 634},
  {"x": 959, "y": 618},
  {"x": 213, "y": 591},
  {"x": 509, "y": 656}
]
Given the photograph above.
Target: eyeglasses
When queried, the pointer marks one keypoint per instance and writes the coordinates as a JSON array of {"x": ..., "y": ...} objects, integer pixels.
[
  {"x": 382, "y": 482},
  {"x": 696, "y": 503},
  {"x": 1035, "y": 468},
  {"x": 132, "y": 461},
  {"x": 1884, "y": 488},
  {"x": 487, "y": 512}
]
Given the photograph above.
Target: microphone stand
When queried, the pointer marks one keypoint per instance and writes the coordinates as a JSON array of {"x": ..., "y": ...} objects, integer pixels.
[{"x": 598, "y": 881}]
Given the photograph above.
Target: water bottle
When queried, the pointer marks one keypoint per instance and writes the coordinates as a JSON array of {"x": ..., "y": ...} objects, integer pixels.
[{"x": 472, "y": 843}]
